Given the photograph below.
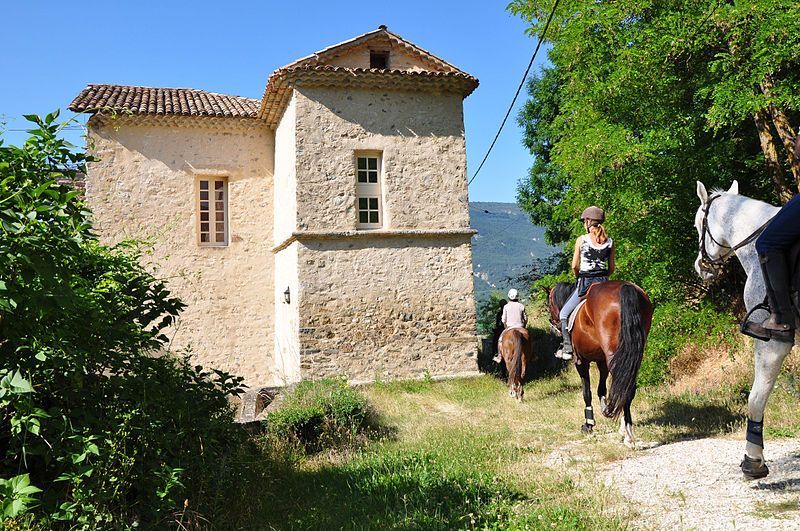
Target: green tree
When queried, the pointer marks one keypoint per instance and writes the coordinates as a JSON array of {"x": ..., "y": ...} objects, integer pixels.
[
  {"x": 644, "y": 98},
  {"x": 111, "y": 434}
]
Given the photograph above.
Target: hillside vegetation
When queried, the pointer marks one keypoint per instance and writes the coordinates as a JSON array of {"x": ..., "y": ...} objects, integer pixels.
[{"x": 506, "y": 248}]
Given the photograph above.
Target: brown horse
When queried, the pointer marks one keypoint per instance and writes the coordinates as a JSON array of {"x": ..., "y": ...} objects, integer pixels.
[
  {"x": 611, "y": 330},
  {"x": 517, "y": 351}
]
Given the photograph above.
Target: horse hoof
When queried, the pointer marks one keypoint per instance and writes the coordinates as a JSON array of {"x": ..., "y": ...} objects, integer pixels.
[
  {"x": 586, "y": 429},
  {"x": 754, "y": 468}
]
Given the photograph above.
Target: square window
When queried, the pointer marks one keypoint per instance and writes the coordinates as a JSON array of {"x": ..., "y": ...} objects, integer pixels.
[
  {"x": 204, "y": 195},
  {"x": 362, "y": 203},
  {"x": 362, "y": 163},
  {"x": 218, "y": 185},
  {"x": 363, "y": 216},
  {"x": 203, "y": 205},
  {"x": 373, "y": 203},
  {"x": 373, "y": 217},
  {"x": 378, "y": 59},
  {"x": 204, "y": 185}
]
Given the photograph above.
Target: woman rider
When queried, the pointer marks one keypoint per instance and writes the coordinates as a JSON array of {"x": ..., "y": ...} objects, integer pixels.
[{"x": 592, "y": 261}]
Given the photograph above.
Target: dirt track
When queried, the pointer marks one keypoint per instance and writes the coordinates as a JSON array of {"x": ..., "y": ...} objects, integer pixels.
[{"x": 697, "y": 485}]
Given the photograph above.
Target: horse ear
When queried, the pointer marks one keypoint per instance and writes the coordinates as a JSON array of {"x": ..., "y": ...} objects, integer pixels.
[
  {"x": 701, "y": 192},
  {"x": 734, "y": 189}
]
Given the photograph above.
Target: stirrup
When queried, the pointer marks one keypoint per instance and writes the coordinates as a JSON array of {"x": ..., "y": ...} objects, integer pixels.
[{"x": 748, "y": 327}]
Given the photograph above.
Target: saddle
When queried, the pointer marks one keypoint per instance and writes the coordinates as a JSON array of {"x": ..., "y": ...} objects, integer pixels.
[{"x": 574, "y": 314}]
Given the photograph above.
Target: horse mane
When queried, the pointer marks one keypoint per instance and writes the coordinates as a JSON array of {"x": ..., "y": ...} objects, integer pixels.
[{"x": 561, "y": 292}]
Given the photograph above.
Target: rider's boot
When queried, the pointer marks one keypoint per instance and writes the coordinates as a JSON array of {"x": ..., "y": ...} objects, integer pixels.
[
  {"x": 566, "y": 350},
  {"x": 780, "y": 324}
]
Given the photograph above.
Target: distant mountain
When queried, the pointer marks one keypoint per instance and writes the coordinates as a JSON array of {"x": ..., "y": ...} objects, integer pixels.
[{"x": 504, "y": 248}]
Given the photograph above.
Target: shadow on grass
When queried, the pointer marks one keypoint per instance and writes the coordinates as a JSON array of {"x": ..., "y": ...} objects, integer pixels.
[
  {"x": 408, "y": 491},
  {"x": 691, "y": 421}
]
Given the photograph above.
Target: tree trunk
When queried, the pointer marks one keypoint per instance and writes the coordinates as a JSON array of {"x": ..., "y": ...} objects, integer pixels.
[
  {"x": 785, "y": 130},
  {"x": 771, "y": 156}
]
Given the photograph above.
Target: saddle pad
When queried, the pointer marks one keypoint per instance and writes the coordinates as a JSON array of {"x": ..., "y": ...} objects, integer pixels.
[{"x": 574, "y": 313}]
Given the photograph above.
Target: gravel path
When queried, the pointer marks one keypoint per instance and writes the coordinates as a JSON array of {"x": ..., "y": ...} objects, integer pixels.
[{"x": 697, "y": 485}]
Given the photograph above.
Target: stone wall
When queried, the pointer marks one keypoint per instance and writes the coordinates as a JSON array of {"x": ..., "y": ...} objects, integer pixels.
[
  {"x": 285, "y": 189},
  {"x": 387, "y": 307},
  {"x": 421, "y": 137},
  {"x": 143, "y": 187}
]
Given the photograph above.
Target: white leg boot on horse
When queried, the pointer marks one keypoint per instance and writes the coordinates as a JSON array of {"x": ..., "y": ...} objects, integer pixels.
[{"x": 768, "y": 360}]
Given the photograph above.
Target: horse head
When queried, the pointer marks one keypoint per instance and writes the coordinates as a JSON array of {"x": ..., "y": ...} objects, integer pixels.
[{"x": 713, "y": 231}]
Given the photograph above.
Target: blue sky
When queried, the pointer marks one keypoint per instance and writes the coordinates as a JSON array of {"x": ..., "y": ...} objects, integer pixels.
[{"x": 51, "y": 49}]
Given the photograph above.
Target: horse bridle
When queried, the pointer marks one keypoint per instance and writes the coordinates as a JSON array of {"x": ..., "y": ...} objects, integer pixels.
[{"x": 714, "y": 265}]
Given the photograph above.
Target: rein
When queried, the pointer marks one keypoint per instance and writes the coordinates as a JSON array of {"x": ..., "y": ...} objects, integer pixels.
[{"x": 714, "y": 265}]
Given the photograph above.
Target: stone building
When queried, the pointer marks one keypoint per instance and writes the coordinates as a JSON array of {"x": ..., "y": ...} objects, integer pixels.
[{"x": 323, "y": 229}]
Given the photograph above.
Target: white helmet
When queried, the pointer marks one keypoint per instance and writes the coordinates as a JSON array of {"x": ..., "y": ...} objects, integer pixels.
[{"x": 513, "y": 294}]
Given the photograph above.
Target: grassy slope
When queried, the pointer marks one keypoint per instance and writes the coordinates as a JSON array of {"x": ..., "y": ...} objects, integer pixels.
[{"x": 463, "y": 455}]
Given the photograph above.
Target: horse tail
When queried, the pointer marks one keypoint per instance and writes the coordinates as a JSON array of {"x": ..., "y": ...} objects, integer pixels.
[
  {"x": 515, "y": 372},
  {"x": 625, "y": 362}
]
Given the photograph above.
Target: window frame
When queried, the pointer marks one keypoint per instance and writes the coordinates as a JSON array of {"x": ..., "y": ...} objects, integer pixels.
[
  {"x": 212, "y": 210},
  {"x": 369, "y": 189}
]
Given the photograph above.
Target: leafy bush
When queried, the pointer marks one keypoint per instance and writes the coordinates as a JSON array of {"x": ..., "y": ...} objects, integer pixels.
[
  {"x": 487, "y": 312},
  {"x": 112, "y": 435},
  {"x": 676, "y": 325},
  {"x": 320, "y": 414}
]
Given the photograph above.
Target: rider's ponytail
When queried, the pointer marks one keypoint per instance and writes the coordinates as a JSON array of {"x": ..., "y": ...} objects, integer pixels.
[{"x": 598, "y": 233}]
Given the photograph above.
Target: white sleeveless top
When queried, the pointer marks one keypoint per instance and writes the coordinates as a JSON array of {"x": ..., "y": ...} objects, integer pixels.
[{"x": 594, "y": 258}]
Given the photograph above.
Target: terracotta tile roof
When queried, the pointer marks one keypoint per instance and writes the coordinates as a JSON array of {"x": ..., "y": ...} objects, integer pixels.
[
  {"x": 163, "y": 101},
  {"x": 380, "y": 35},
  {"x": 314, "y": 70}
]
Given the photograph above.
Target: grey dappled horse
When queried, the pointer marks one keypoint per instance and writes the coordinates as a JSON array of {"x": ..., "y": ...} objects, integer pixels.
[{"x": 726, "y": 223}]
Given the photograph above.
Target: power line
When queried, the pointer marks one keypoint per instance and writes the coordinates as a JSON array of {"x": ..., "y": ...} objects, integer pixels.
[{"x": 524, "y": 77}]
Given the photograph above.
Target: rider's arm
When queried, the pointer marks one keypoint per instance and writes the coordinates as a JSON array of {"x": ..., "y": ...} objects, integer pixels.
[
  {"x": 524, "y": 318},
  {"x": 503, "y": 319},
  {"x": 576, "y": 256},
  {"x": 612, "y": 260}
]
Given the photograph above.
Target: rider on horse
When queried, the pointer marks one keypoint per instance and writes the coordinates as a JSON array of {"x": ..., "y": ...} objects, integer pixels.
[
  {"x": 514, "y": 316},
  {"x": 592, "y": 261},
  {"x": 773, "y": 248}
]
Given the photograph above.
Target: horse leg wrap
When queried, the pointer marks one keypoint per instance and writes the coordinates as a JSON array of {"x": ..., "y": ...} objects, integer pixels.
[
  {"x": 755, "y": 432},
  {"x": 589, "y": 414}
]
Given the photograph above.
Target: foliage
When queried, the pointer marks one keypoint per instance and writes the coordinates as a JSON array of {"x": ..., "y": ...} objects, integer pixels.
[
  {"x": 644, "y": 98},
  {"x": 320, "y": 414},
  {"x": 112, "y": 435},
  {"x": 676, "y": 325},
  {"x": 488, "y": 312}
]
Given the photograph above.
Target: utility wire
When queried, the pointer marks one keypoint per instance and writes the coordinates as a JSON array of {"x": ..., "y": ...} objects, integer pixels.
[{"x": 524, "y": 77}]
